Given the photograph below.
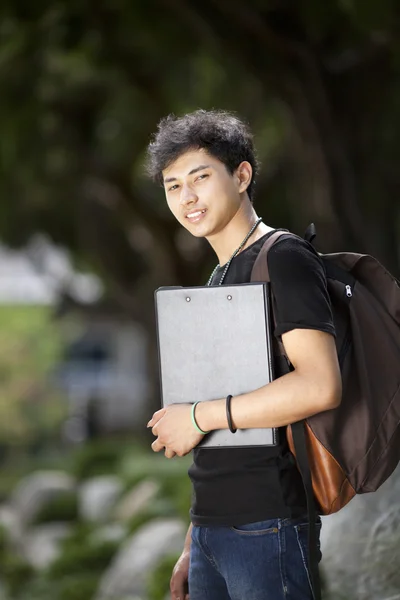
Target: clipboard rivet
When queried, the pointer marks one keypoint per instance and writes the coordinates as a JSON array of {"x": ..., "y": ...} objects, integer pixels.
[
  {"x": 188, "y": 299},
  {"x": 229, "y": 297}
]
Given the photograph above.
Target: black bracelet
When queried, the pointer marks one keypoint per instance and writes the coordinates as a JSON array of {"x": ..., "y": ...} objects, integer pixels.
[{"x": 228, "y": 414}]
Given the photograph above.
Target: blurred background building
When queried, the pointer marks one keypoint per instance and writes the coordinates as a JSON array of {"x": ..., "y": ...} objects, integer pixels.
[{"x": 102, "y": 368}]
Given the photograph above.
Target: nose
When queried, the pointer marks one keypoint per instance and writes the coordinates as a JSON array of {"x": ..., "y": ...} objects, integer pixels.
[{"x": 188, "y": 196}]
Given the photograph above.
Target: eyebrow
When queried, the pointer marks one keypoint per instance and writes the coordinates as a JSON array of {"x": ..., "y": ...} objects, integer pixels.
[{"x": 199, "y": 168}]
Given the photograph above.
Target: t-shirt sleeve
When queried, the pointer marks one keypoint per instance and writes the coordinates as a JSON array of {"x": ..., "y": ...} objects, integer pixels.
[{"x": 298, "y": 284}]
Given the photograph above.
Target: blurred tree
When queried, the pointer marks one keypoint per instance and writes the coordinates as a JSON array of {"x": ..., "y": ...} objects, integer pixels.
[{"x": 84, "y": 85}]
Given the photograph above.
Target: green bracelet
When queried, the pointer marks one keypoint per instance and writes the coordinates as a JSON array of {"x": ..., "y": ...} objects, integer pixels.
[{"x": 194, "y": 420}]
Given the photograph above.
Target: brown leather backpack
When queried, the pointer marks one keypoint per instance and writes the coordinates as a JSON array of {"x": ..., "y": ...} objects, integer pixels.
[{"x": 354, "y": 448}]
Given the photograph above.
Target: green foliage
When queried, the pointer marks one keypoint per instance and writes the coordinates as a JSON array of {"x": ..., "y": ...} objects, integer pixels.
[
  {"x": 3, "y": 542},
  {"x": 72, "y": 576},
  {"x": 178, "y": 489},
  {"x": 79, "y": 536},
  {"x": 78, "y": 587},
  {"x": 16, "y": 572},
  {"x": 82, "y": 558},
  {"x": 136, "y": 466},
  {"x": 70, "y": 587},
  {"x": 158, "y": 584},
  {"x": 60, "y": 508},
  {"x": 160, "y": 507},
  {"x": 30, "y": 344},
  {"x": 8, "y": 482},
  {"x": 97, "y": 458},
  {"x": 172, "y": 476},
  {"x": 21, "y": 464}
]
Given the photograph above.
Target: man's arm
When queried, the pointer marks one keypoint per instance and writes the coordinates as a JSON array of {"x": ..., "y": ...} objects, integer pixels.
[
  {"x": 314, "y": 386},
  {"x": 304, "y": 321}
]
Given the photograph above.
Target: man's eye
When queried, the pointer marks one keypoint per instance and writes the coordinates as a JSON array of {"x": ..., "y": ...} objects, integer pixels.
[
  {"x": 202, "y": 175},
  {"x": 173, "y": 188}
]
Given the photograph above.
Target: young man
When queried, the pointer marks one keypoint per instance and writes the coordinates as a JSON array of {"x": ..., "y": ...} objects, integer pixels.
[{"x": 248, "y": 536}]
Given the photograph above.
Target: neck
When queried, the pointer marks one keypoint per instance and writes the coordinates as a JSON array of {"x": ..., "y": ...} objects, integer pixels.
[{"x": 229, "y": 238}]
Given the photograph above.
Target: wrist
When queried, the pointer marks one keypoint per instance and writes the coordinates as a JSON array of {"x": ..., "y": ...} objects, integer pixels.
[
  {"x": 200, "y": 416},
  {"x": 194, "y": 415},
  {"x": 211, "y": 415}
]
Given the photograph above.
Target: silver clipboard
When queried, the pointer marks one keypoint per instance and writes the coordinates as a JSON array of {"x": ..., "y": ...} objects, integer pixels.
[{"x": 214, "y": 341}]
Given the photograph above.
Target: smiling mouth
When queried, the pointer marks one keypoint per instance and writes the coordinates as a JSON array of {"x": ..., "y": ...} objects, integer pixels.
[{"x": 196, "y": 215}]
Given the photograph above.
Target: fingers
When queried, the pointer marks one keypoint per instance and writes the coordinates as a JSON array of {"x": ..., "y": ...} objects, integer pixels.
[
  {"x": 178, "y": 584},
  {"x": 156, "y": 417},
  {"x": 178, "y": 593},
  {"x": 157, "y": 445},
  {"x": 179, "y": 596}
]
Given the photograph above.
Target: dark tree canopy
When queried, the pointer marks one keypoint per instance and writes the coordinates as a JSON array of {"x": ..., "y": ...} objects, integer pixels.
[{"x": 85, "y": 84}]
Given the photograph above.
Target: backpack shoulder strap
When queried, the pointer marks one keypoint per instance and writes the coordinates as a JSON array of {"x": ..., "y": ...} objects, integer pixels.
[
  {"x": 260, "y": 268},
  {"x": 260, "y": 273}
]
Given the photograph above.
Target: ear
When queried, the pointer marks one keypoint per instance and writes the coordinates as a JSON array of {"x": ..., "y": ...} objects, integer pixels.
[{"x": 244, "y": 173}]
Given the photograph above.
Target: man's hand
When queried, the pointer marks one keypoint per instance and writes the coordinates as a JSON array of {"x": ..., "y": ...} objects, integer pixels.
[
  {"x": 179, "y": 580},
  {"x": 174, "y": 430}
]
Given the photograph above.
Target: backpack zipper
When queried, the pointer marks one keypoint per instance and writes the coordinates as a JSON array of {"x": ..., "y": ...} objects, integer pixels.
[{"x": 347, "y": 338}]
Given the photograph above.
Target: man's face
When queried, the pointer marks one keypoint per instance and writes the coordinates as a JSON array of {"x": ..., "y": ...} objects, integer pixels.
[{"x": 201, "y": 193}]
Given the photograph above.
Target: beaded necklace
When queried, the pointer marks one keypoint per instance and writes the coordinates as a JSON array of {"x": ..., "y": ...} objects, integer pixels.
[{"x": 228, "y": 264}]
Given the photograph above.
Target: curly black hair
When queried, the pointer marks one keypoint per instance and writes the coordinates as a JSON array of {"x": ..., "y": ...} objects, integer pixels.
[{"x": 218, "y": 132}]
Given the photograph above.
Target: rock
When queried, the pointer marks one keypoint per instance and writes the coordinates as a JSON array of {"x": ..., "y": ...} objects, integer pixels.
[
  {"x": 127, "y": 576},
  {"x": 114, "y": 532},
  {"x": 136, "y": 500},
  {"x": 37, "y": 490},
  {"x": 382, "y": 557},
  {"x": 42, "y": 543},
  {"x": 97, "y": 496},
  {"x": 361, "y": 546},
  {"x": 11, "y": 523}
]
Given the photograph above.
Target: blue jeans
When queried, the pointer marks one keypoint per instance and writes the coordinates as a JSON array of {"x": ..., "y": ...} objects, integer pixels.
[{"x": 267, "y": 560}]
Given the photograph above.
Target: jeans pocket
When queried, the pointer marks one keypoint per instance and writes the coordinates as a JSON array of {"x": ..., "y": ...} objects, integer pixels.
[
  {"x": 257, "y": 528},
  {"x": 302, "y": 539}
]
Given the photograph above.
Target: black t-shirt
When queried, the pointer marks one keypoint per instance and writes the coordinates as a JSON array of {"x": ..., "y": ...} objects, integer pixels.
[{"x": 233, "y": 486}]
